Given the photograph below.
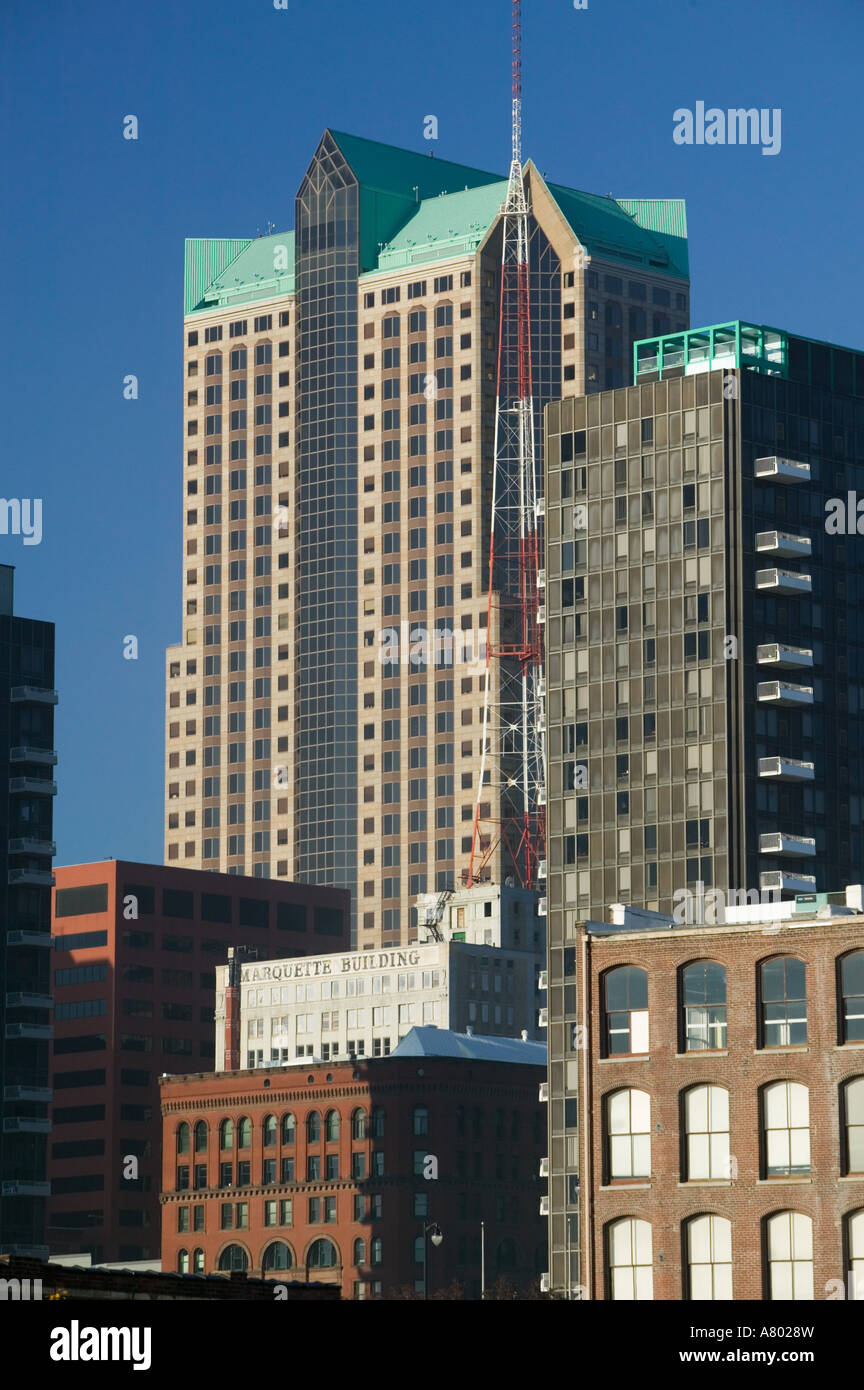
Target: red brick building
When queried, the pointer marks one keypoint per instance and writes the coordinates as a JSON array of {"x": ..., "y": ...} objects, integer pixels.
[
  {"x": 317, "y": 1169},
  {"x": 133, "y": 980},
  {"x": 722, "y": 1152}
]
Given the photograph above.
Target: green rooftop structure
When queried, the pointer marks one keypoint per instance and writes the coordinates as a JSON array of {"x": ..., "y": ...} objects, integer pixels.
[{"x": 754, "y": 346}]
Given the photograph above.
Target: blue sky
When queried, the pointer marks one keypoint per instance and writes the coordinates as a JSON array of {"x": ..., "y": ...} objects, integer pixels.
[{"x": 232, "y": 96}]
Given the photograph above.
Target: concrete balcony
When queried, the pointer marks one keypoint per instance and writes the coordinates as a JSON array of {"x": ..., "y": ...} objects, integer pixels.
[
  {"x": 541, "y": 614},
  {"x": 23, "y": 999},
  {"x": 39, "y": 939},
  {"x": 32, "y": 786},
  {"x": 782, "y": 543},
  {"x": 544, "y": 1167},
  {"x": 542, "y": 980},
  {"x": 32, "y": 695},
  {"x": 543, "y": 1093},
  {"x": 543, "y": 1018},
  {"x": 778, "y": 842},
  {"x": 32, "y": 878},
  {"x": 781, "y": 769},
  {"x": 541, "y": 579},
  {"x": 780, "y": 470},
  {"x": 541, "y": 907},
  {"x": 26, "y": 1124},
  {"x": 541, "y": 870},
  {"x": 776, "y": 581},
  {"x": 41, "y": 1095},
  {"x": 27, "y": 753},
  {"x": 783, "y": 693},
  {"x": 780, "y": 654},
  {"x": 544, "y": 1205},
  {"x": 27, "y": 846},
  {"x": 786, "y": 881},
  {"x": 36, "y": 1032},
  {"x": 25, "y": 1187}
]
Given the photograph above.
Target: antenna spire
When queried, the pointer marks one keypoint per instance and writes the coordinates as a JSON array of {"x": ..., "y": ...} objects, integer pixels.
[{"x": 517, "y": 82}]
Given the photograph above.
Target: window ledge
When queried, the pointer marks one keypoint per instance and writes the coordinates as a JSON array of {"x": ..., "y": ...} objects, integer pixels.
[
  {"x": 705, "y": 1052},
  {"x": 780, "y": 1051},
  {"x": 851, "y": 1177},
  {"x": 783, "y": 1182},
  {"x": 849, "y": 1047},
  {"x": 623, "y": 1185},
  {"x": 707, "y": 1182},
  {"x": 626, "y": 1057}
]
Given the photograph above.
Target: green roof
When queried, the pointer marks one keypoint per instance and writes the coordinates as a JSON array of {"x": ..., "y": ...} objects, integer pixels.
[
  {"x": 667, "y": 219},
  {"x": 452, "y": 225},
  {"x": 220, "y": 273},
  {"x": 613, "y": 229}
]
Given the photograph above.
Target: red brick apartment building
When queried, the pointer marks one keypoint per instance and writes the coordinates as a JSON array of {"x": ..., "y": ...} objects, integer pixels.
[
  {"x": 135, "y": 951},
  {"x": 723, "y": 1090},
  {"x": 316, "y": 1170}
]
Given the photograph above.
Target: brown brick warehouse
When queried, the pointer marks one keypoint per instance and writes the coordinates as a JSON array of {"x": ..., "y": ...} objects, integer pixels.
[
  {"x": 318, "y": 1171},
  {"x": 760, "y": 1129}
]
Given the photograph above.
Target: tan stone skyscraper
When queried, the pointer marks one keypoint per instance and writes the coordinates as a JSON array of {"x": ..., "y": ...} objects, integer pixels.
[{"x": 324, "y": 705}]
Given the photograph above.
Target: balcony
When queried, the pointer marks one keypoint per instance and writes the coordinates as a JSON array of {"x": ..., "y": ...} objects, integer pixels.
[
  {"x": 544, "y": 1205},
  {"x": 32, "y": 695},
  {"x": 543, "y": 1018},
  {"x": 23, "y": 999},
  {"x": 544, "y": 1167},
  {"x": 782, "y": 543},
  {"x": 543, "y": 1093},
  {"x": 541, "y": 579},
  {"x": 26, "y": 1124},
  {"x": 27, "y": 753},
  {"x": 32, "y": 878},
  {"x": 540, "y": 507},
  {"x": 541, "y": 870},
  {"x": 779, "y": 470},
  {"x": 36, "y": 1032},
  {"x": 33, "y": 786},
  {"x": 25, "y": 1187},
  {"x": 786, "y": 881},
  {"x": 782, "y": 769},
  {"x": 542, "y": 979},
  {"x": 39, "y": 939},
  {"x": 28, "y": 1091},
  {"x": 780, "y": 654},
  {"x": 24, "y": 845},
  {"x": 779, "y": 842},
  {"x": 776, "y": 581},
  {"x": 783, "y": 693},
  {"x": 541, "y": 907},
  {"x": 541, "y": 613}
]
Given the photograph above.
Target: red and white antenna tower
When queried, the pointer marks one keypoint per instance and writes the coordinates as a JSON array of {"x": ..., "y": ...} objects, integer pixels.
[{"x": 514, "y": 693}]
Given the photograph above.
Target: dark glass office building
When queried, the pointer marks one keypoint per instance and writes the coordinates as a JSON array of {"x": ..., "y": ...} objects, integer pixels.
[{"x": 27, "y": 699}]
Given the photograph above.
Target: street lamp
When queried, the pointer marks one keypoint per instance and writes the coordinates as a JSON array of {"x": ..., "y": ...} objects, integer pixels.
[{"x": 431, "y": 1231}]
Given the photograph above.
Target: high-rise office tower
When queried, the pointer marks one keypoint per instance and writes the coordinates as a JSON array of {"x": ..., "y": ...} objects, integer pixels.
[
  {"x": 324, "y": 705},
  {"x": 704, "y": 652},
  {"x": 27, "y": 699}
]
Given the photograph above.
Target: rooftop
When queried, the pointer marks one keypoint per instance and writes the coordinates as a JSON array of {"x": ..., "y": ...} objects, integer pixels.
[
  {"x": 754, "y": 346},
  {"x": 441, "y": 1042}
]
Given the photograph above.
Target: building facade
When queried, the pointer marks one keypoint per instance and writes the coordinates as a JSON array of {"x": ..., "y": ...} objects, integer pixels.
[
  {"x": 722, "y": 1110},
  {"x": 485, "y": 976},
  {"x": 27, "y": 758},
  {"x": 135, "y": 951},
  {"x": 336, "y": 532},
  {"x": 333, "y": 1173}
]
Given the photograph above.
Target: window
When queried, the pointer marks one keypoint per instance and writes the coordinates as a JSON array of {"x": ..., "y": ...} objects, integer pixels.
[
  {"x": 377, "y": 1251},
  {"x": 629, "y": 1260},
  {"x": 358, "y": 1124},
  {"x": 853, "y": 1120},
  {"x": 277, "y": 1256},
  {"x": 790, "y": 1256},
  {"x": 244, "y": 1133},
  {"x": 855, "y": 1253},
  {"x": 852, "y": 993},
  {"x": 626, "y": 990},
  {"x": 786, "y": 1122},
  {"x": 706, "y": 1125},
  {"x": 360, "y": 1252},
  {"x": 784, "y": 1002},
  {"x": 313, "y": 1127},
  {"x": 322, "y": 1255},
  {"x": 704, "y": 1004},
  {"x": 628, "y": 1132},
  {"x": 183, "y": 1134},
  {"x": 233, "y": 1257},
  {"x": 421, "y": 1119},
  {"x": 709, "y": 1258},
  {"x": 269, "y": 1131}
]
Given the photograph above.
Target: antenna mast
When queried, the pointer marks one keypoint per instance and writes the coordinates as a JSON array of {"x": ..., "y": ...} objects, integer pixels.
[{"x": 510, "y": 816}]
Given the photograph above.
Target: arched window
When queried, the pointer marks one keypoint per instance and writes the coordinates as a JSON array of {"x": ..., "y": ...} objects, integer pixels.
[
  {"x": 288, "y": 1128},
  {"x": 183, "y": 1138},
  {"x": 855, "y": 1254},
  {"x": 626, "y": 993},
  {"x": 244, "y": 1132},
  {"x": 182, "y": 1261},
  {"x": 200, "y": 1137},
  {"x": 377, "y": 1123},
  {"x": 359, "y": 1252},
  {"x": 322, "y": 1255},
  {"x": 313, "y": 1127},
  {"x": 706, "y": 1124},
  {"x": 709, "y": 1258},
  {"x": 233, "y": 1257},
  {"x": 852, "y": 993},
  {"x": 628, "y": 1134},
  {"x": 226, "y": 1134},
  {"x": 377, "y": 1250},
  {"x": 358, "y": 1124},
  {"x": 198, "y": 1262},
  {"x": 421, "y": 1119},
  {"x": 505, "y": 1255},
  {"x": 630, "y": 1260},
  {"x": 853, "y": 1120},
  {"x": 331, "y": 1126},
  {"x": 784, "y": 1002},
  {"x": 790, "y": 1256},
  {"x": 786, "y": 1124},
  {"x": 268, "y": 1131},
  {"x": 277, "y": 1256},
  {"x": 703, "y": 993}
]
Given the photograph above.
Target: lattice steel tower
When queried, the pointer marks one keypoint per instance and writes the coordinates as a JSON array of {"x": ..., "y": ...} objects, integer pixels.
[{"x": 514, "y": 687}]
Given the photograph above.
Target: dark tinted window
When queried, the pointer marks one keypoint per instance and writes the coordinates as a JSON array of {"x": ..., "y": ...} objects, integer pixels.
[
  {"x": 328, "y": 921},
  {"x": 80, "y": 940},
  {"x": 291, "y": 916},
  {"x": 254, "y": 912},
  {"x": 215, "y": 907},
  {"x": 145, "y": 896},
  {"x": 85, "y": 1042},
  {"x": 74, "y": 902},
  {"x": 176, "y": 903}
]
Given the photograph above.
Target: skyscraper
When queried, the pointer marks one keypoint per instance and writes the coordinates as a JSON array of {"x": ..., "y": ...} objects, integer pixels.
[
  {"x": 323, "y": 718},
  {"x": 27, "y": 699},
  {"x": 704, "y": 650}
]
